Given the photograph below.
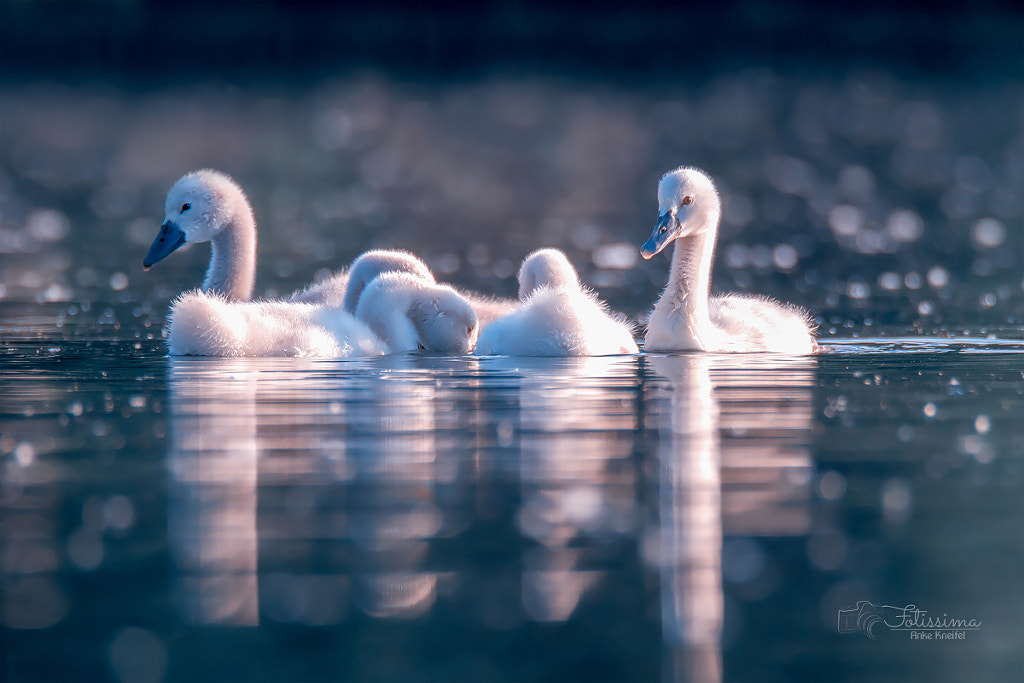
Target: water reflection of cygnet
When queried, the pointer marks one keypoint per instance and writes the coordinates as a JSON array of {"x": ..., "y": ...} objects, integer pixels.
[
  {"x": 391, "y": 511},
  {"x": 304, "y": 466},
  {"x": 754, "y": 481},
  {"x": 288, "y": 461},
  {"x": 578, "y": 480},
  {"x": 686, "y": 547},
  {"x": 212, "y": 462}
]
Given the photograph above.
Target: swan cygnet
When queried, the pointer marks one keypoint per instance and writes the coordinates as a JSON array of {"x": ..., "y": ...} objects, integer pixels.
[
  {"x": 556, "y": 316},
  {"x": 686, "y": 318},
  {"x": 408, "y": 313}
]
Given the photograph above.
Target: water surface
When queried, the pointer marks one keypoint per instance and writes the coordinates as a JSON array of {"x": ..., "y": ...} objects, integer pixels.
[{"x": 654, "y": 517}]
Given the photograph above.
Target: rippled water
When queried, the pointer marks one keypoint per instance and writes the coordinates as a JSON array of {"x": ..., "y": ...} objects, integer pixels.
[{"x": 688, "y": 517}]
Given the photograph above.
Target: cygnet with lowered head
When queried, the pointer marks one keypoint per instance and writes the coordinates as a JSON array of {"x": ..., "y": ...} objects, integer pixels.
[
  {"x": 556, "y": 316},
  {"x": 686, "y": 318}
]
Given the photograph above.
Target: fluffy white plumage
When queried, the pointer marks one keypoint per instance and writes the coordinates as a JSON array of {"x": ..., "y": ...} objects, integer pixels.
[
  {"x": 398, "y": 312},
  {"x": 686, "y": 317},
  {"x": 220, "y": 320},
  {"x": 344, "y": 288},
  {"x": 376, "y": 262},
  {"x": 208, "y": 324},
  {"x": 556, "y": 316}
]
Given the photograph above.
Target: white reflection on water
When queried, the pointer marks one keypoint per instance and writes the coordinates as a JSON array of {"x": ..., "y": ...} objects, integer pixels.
[
  {"x": 392, "y": 514},
  {"x": 281, "y": 455},
  {"x": 754, "y": 481},
  {"x": 576, "y": 476},
  {"x": 212, "y": 463},
  {"x": 689, "y": 536}
]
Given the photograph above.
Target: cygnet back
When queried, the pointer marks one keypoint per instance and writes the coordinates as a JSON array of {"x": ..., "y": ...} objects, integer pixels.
[{"x": 375, "y": 262}]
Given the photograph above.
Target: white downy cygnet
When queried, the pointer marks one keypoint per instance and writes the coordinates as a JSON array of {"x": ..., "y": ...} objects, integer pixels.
[
  {"x": 686, "y": 318},
  {"x": 556, "y": 316},
  {"x": 399, "y": 313}
]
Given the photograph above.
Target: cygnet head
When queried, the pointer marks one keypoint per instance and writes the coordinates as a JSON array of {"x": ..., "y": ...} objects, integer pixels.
[
  {"x": 688, "y": 204},
  {"x": 407, "y": 312},
  {"x": 199, "y": 206},
  {"x": 446, "y": 322},
  {"x": 546, "y": 268}
]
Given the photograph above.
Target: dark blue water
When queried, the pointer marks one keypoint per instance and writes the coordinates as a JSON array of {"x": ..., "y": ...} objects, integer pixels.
[{"x": 687, "y": 517}]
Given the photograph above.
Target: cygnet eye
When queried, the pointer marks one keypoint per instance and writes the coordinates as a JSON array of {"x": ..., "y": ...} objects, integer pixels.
[
  {"x": 185, "y": 207},
  {"x": 687, "y": 200},
  {"x": 663, "y": 229},
  {"x": 469, "y": 329}
]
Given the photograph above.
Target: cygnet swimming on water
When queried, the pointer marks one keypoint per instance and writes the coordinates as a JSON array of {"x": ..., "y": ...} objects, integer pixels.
[
  {"x": 686, "y": 318},
  {"x": 399, "y": 313},
  {"x": 556, "y": 316}
]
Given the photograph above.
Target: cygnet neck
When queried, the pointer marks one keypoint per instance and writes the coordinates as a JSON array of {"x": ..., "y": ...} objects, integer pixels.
[
  {"x": 689, "y": 282},
  {"x": 232, "y": 270}
]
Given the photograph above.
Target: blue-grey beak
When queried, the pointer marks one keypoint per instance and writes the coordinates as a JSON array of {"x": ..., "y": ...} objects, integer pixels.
[
  {"x": 170, "y": 238},
  {"x": 664, "y": 230}
]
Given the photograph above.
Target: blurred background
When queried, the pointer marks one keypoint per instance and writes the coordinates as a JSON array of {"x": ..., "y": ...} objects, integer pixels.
[{"x": 870, "y": 154}]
